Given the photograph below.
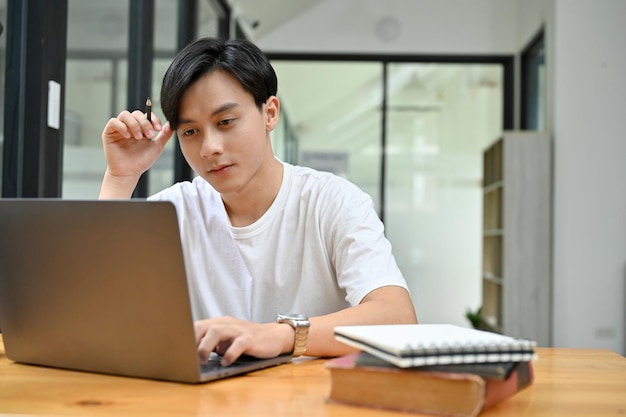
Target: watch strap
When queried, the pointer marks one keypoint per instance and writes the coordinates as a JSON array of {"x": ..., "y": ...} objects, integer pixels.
[{"x": 300, "y": 324}]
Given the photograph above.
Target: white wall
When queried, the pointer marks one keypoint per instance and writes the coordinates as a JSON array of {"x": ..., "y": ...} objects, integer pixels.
[
  {"x": 585, "y": 44},
  {"x": 590, "y": 173},
  {"x": 586, "y": 100}
]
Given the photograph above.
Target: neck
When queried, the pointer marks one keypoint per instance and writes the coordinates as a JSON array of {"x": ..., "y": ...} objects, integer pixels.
[{"x": 245, "y": 208}]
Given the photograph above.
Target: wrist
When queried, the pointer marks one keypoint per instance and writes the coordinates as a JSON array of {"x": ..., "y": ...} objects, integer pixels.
[
  {"x": 287, "y": 337},
  {"x": 117, "y": 187}
]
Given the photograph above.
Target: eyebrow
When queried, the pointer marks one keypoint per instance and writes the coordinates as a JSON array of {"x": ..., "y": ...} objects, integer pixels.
[{"x": 224, "y": 107}]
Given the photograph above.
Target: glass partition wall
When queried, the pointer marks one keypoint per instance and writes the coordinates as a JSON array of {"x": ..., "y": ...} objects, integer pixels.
[
  {"x": 96, "y": 73},
  {"x": 412, "y": 136},
  {"x": 96, "y": 88},
  {"x": 440, "y": 119}
]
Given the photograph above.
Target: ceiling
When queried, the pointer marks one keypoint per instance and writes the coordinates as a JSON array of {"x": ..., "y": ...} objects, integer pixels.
[{"x": 264, "y": 15}]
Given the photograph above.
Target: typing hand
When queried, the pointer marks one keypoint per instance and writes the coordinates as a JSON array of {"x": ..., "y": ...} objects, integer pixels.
[{"x": 231, "y": 338}]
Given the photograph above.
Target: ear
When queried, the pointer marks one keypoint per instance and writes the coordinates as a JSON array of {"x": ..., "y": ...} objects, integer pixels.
[{"x": 271, "y": 113}]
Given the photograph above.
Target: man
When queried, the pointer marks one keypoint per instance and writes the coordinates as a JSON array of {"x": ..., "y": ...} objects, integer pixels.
[{"x": 260, "y": 237}]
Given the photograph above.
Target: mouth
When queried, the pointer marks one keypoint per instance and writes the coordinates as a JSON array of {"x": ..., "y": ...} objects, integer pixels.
[{"x": 220, "y": 169}]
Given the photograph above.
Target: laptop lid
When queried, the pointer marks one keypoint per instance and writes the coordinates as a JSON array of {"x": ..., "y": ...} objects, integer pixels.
[{"x": 99, "y": 286}]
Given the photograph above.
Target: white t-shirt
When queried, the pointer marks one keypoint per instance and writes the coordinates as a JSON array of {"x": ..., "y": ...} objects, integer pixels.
[{"x": 318, "y": 249}]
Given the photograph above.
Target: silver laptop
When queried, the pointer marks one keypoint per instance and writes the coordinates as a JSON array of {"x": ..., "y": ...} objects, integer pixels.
[{"x": 100, "y": 286}]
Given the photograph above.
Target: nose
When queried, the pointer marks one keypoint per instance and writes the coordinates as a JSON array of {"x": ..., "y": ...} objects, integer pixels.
[{"x": 212, "y": 144}]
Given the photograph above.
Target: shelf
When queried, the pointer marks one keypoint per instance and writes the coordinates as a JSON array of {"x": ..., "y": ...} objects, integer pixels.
[
  {"x": 493, "y": 186},
  {"x": 516, "y": 274},
  {"x": 492, "y": 164},
  {"x": 493, "y": 232},
  {"x": 493, "y": 278}
]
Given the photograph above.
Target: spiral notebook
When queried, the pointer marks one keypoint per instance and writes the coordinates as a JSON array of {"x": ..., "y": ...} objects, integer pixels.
[{"x": 407, "y": 345}]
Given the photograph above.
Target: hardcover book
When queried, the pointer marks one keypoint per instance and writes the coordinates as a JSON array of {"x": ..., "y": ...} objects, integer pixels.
[{"x": 450, "y": 391}]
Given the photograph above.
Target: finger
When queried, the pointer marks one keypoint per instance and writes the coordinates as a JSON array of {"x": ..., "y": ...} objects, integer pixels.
[
  {"x": 164, "y": 135},
  {"x": 208, "y": 340},
  {"x": 204, "y": 353},
  {"x": 132, "y": 121},
  {"x": 138, "y": 124},
  {"x": 216, "y": 337},
  {"x": 198, "y": 330},
  {"x": 116, "y": 127},
  {"x": 234, "y": 351},
  {"x": 201, "y": 328}
]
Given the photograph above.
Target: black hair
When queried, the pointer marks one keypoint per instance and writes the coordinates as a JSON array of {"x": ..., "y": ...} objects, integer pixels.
[{"x": 241, "y": 58}]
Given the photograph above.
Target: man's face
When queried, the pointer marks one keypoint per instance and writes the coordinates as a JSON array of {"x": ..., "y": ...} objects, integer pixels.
[{"x": 223, "y": 134}]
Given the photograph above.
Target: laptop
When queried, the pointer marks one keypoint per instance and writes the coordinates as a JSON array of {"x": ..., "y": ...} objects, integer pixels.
[{"x": 100, "y": 286}]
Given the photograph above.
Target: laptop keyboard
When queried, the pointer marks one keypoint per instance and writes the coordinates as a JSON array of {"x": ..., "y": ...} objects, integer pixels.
[{"x": 214, "y": 363}]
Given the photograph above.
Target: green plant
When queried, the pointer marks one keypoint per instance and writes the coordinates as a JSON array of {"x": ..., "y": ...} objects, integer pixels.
[{"x": 475, "y": 317}]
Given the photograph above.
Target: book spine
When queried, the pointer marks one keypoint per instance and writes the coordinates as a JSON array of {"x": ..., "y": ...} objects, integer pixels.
[{"x": 499, "y": 390}]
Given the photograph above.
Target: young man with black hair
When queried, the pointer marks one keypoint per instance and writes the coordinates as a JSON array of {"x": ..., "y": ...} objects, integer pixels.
[{"x": 261, "y": 238}]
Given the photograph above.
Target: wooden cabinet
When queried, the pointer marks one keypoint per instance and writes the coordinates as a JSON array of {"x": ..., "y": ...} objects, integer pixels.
[{"x": 517, "y": 200}]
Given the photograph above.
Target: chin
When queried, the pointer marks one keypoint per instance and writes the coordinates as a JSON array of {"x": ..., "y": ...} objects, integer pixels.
[{"x": 221, "y": 186}]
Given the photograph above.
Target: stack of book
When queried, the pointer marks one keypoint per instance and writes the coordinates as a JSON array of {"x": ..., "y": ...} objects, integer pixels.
[{"x": 437, "y": 369}]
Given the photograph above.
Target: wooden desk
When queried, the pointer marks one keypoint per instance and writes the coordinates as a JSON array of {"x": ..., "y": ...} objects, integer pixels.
[{"x": 568, "y": 382}]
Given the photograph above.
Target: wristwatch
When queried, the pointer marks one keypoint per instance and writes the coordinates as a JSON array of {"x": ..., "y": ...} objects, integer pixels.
[{"x": 300, "y": 324}]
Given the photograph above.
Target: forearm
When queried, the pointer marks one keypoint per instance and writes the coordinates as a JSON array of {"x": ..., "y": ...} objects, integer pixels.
[
  {"x": 115, "y": 187},
  {"x": 387, "y": 305},
  {"x": 232, "y": 337}
]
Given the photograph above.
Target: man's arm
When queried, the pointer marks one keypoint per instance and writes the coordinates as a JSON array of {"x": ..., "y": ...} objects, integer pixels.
[
  {"x": 231, "y": 337},
  {"x": 385, "y": 305}
]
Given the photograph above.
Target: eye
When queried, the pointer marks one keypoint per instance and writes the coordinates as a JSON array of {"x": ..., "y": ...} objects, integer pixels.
[
  {"x": 225, "y": 122},
  {"x": 189, "y": 132}
]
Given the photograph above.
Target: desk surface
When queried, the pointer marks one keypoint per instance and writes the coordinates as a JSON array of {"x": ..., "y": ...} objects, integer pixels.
[{"x": 568, "y": 382}]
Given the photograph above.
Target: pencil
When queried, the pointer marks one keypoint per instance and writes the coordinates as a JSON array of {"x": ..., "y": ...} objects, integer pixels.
[{"x": 149, "y": 109}]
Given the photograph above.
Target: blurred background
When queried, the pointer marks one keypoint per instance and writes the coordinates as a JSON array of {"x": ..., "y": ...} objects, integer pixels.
[{"x": 402, "y": 97}]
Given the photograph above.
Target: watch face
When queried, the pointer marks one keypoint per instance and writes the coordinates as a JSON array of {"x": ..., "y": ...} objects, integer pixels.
[{"x": 293, "y": 316}]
